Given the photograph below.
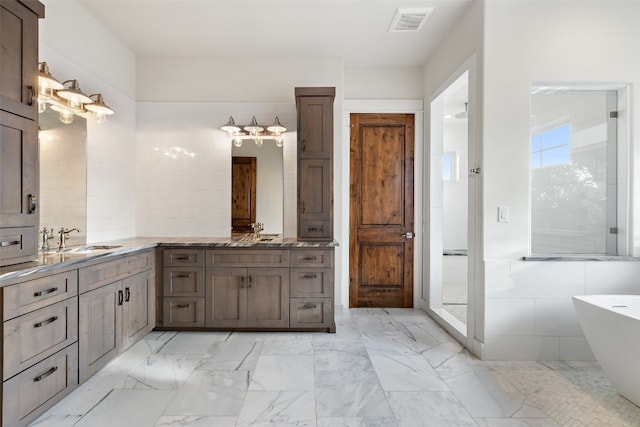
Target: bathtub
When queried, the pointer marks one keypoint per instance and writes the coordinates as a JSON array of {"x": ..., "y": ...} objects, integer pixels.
[{"x": 611, "y": 324}]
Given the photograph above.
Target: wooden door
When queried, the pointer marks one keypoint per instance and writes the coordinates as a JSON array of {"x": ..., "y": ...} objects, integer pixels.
[
  {"x": 19, "y": 64},
  {"x": 268, "y": 303},
  {"x": 226, "y": 297},
  {"x": 243, "y": 193},
  {"x": 135, "y": 310},
  {"x": 100, "y": 328},
  {"x": 381, "y": 210}
]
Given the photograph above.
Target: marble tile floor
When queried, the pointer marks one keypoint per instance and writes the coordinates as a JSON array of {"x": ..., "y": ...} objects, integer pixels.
[{"x": 383, "y": 367}]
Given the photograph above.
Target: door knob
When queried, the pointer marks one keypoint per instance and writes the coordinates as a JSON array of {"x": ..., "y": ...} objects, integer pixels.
[{"x": 407, "y": 235}]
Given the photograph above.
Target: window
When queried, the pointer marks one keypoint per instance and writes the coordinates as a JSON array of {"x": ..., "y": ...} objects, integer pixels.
[
  {"x": 551, "y": 147},
  {"x": 573, "y": 172}
]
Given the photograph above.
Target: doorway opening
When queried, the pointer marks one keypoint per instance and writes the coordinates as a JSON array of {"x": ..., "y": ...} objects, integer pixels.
[{"x": 451, "y": 215}]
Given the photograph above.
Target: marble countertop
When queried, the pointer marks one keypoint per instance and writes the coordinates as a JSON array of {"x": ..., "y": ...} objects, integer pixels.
[{"x": 73, "y": 256}]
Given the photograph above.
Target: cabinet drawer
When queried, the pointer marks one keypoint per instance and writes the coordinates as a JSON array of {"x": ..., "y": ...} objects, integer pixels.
[
  {"x": 28, "y": 296},
  {"x": 30, "y": 338},
  {"x": 312, "y": 258},
  {"x": 29, "y": 394},
  {"x": 183, "y": 282},
  {"x": 183, "y": 312},
  {"x": 177, "y": 257},
  {"x": 18, "y": 245},
  {"x": 101, "y": 274},
  {"x": 315, "y": 229},
  {"x": 247, "y": 258},
  {"x": 311, "y": 282},
  {"x": 310, "y": 312}
]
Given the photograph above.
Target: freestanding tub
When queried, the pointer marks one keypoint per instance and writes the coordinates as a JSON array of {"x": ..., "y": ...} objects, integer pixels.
[{"x": 611, "y": 324}]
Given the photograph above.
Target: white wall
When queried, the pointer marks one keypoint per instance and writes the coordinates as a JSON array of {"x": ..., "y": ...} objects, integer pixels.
[
  {"x": 105, "y": 66},
  {"x": 383, "y": 83},
  {"x": 529, "y": 314}
]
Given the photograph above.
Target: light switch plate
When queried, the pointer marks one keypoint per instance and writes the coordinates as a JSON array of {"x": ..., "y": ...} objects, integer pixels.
[{"x": 503, "y": 214}]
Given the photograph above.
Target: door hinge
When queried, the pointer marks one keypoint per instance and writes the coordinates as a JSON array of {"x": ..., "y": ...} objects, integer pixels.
[
  {"x": 613, "y": 114},
  {"x": 613, "y": 230},
  {"x": 474, "y": 171}
]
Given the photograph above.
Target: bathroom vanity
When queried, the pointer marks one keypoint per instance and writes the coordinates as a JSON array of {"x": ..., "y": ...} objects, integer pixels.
[
  {"x": 281, "y": 286},
  {"x": 68, "y": 314}
]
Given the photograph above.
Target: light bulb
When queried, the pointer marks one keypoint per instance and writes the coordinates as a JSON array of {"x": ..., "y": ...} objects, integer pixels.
[
  {"x": 258, "y": 142},
  {"x": 100, "y": 117},
  {"x": 42, "y": 106},
  {"x": 279, "y": 142},
  {"x": 237, "y": 142},
  {"x": 66, "y": 117}
]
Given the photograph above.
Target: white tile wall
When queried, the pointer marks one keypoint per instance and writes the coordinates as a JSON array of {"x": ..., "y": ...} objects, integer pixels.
[
  {"x": 190, "y": 195},
  {"x": 529, "y": 313}
]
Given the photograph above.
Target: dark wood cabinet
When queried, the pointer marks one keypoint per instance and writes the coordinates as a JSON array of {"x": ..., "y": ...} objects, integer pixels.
[
  {"x": 18, "y": 129},
  {"x": 251, "y": 288},
  {"x": 19, "y": 65},
  {"x": 114, "y": 309},
  {"x": 247, "y": 288},
  {"x": 315, "y": 162}
]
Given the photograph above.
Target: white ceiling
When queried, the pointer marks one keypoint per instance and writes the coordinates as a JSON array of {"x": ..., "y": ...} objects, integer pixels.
[{"x": 355, "y": 30}]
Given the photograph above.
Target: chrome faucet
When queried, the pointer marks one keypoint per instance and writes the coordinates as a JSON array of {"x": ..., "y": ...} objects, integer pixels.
[
  {"x": 46, "y": 236},
  {"x": 257, "y": 227},
  {"x": 64, "y": 235}
]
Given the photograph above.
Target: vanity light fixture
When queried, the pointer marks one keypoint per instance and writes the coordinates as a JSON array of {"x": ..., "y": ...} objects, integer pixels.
[
  {"x": 46, "y": 85},
  {"x": 67, "y": 98},
  {"x": 73, "y": 94},
  {"x": 99, "y": 109},
  {"x": 254, "y": 131}
]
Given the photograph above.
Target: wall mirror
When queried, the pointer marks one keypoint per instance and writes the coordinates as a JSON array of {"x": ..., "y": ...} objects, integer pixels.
[
  {"x": 63, "y": 176},
  {"x": 257, "y": 181}
]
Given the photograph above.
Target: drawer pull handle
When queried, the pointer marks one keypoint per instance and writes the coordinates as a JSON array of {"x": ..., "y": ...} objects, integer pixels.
[
  {"x": 45, "y": 291},
  {"x": 45, "y": 322},
  {"x": 183, "y": 276},
  {"x": 310, "y": 276},
  {"x": 310, "y": 258},
  {"x": 183, "y": 305},
  {"x": 314, "y": 228},
  {"x": 9, "y": 243},
  {"x": 308, "y": 306},
  {"x": 45, "y": 375},
  {"x": 184, "y": 258},
  {"x": 127, "y": 294},
  {"x": 120, "y": 297}
]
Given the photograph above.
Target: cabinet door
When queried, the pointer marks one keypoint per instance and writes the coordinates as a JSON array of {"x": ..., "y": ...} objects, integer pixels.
[
  {"x": 18, "y": 171},
  {"x": 19, "y": 65},
  {"x": 268, "y": 303},
  {"x": 315, "y": 201},
  {"x": 100, "y": 327},
  {"x": 315, "y": 127},
  {"x": 135, "y": 309},
  {"x": 226, "y": 297}
]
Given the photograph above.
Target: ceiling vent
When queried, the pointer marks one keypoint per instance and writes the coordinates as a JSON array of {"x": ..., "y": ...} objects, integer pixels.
[{"x": 407, "y": 20}]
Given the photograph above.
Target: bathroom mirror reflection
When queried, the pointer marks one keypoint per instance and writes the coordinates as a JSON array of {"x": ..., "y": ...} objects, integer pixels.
[
  {"x": 257, "y": 181},
  {"x": 63, "y": 176}
]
